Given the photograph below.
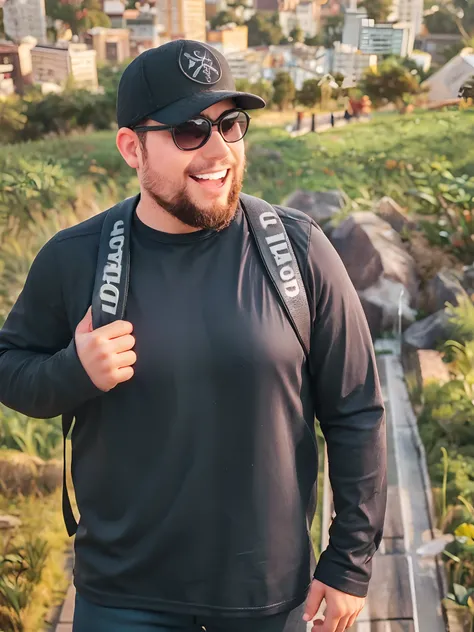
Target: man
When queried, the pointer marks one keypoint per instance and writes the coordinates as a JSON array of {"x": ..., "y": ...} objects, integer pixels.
[{"x": 194, "y": 452}]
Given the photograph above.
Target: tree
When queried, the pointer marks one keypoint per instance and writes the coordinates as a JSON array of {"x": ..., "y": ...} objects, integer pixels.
[
  {"x": 297, "y": 34},
  {"x": 332, "y": 30},
  {"x": 80, "y": 16},
  {"x": 310, "y": 93},
  {"x": 264, "y": 31},
  {"x": 378, "y": 10},
  {"x": 390, "y": 82},
  {"x": 223, "y": 18},
  {"x": 316, "y": 40},
  {"x": 283, "y": 90},
  {"x": 451, "y": 16}
]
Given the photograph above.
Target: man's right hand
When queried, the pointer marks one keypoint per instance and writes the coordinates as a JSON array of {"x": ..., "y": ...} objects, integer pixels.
[{"x": 106, "y": 353}]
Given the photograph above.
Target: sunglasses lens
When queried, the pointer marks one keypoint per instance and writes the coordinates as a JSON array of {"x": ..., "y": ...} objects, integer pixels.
[
  {"x": 192, "y": 134},
  {"x": 234, "y": 126}
]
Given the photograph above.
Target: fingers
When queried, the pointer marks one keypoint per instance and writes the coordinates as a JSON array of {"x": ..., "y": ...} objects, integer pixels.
[
  {"x": 314, "y": 599},
  {"x": 342, "y": 625},
  {"x": 127, "y": 358},
  {"x": 332, "y": 618},
  {"x": 116, "y": 329},
  {"x": 124, "y": 374},
  {"x": 121, "y": 344}
]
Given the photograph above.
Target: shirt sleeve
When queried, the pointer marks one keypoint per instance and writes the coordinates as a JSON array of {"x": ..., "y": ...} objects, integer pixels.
[
  {"x": 349, "y": 407},
  {"x": 40, "y": 372}
]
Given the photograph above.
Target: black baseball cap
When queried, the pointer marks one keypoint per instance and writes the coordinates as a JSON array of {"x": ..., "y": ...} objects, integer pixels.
[{"x": 176, "y": 81}]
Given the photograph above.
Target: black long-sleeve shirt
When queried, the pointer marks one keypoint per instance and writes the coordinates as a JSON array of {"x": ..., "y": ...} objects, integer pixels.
[{"x": 194, "y": 479}]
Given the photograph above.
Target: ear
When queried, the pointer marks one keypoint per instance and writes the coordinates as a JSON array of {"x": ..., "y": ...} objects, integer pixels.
[{"x": 128, "y": 145}]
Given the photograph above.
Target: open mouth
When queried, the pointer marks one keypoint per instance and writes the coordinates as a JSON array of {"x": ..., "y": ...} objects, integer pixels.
[{"x": 213, "y": 180}]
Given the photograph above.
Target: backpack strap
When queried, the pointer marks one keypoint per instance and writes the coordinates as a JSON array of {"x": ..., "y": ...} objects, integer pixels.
[
  {"x": 280, "y": 263},
  {"x": 109, "y": 299}
]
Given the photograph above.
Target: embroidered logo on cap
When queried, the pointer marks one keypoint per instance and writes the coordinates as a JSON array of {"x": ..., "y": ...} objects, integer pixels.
[{"x": 199, "y": 64}]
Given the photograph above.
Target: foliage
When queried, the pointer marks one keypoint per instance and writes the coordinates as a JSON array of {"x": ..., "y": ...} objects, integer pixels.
[
  {"x": 378, "y": 10},
  {"x": 310, "y": 93},
  {"x": 79, "y": 16},
  {"x": 390, "y": 82},
  {"x": 332, "y": 30},
  {"x": 224, "y": 17},
  {"x": 262, "y": 88},
  {"x": 316, "y": 40},
  {"x": 297, "y": 34},
  {"x": 448, "y": 200},
  {"x": 462, "y": 318},
  {"x": 263, "y": 30},
  {"x": 21, "y": 568},
  {"x": 12, "y": 118},
  {"x": 40, "y": 559},
  {"x": 36, "y": 437},
  {"x": 283, "y": 90}
]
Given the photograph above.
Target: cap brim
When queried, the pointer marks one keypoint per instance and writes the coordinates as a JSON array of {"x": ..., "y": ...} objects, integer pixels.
[{"x": 184, "y": 109}]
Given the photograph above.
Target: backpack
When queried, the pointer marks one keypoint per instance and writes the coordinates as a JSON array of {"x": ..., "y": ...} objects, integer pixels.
[{"x": 109, "y": 297}]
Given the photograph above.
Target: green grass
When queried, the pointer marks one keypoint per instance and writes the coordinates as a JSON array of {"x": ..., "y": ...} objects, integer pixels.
[{"x": 363, "y": 159}]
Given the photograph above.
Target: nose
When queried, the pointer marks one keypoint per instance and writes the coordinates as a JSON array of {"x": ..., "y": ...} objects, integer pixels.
[{"x": 216, "y": 148}]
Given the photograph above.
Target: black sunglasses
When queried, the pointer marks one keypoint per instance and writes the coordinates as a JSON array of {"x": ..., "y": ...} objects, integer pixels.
[{"x": 194, "y": 134}]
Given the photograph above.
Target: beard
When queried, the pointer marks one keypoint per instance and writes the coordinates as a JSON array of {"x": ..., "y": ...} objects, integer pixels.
[{"x": 215, "y": 216}]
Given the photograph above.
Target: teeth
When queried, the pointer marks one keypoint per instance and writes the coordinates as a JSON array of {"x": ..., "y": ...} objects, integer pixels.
[{"x": 212, "y": 176}]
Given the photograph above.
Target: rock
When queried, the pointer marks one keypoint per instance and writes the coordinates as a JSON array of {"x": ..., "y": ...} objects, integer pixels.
[
  {"x": 444, "y": 287},
  {"x": 321, "y": 206},
  {"x": 391, "y": 212},
  {"x": 382, "y": 302},
  {"x": 18, "y": 473},
  {"x": 429, "y": 333},
  {"x": 468, "y": 278},
  {"x": 50, "y": 476},
  {"x": 370, "y": 248},
  {"x": 9, "y": 522}
]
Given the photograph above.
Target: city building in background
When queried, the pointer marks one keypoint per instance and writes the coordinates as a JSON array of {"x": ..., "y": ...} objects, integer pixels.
[
  {"x": 115, "y": 9},
  {"x": 446, "y": 83},
  {"x": 386, "y": 39},
  {"x": 378, "y": 39},
  {"x": 305, "y": 15},
  {"x": 436, "y": 45},
  {"x": 56, "y": 64},
  {"x": 112, "y": 45},
  {"x": 15, "y": 66},
  {"x": 23, "y": 18},
  {"x": 409, "y": 12},
  {"x": 351, "y": 62},
  {"x": 145, "y": 30},
  {"x": 229, "y": 39},
  {"x": 182, "y": 19}
]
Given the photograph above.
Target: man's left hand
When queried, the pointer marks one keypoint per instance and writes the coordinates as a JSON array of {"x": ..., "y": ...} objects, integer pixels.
[{"x": 341, "y": 609}]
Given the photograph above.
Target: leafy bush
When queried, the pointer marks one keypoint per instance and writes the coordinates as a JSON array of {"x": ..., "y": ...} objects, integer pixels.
[
  {"x": 21, "y": 568},
  {"x": 449, "y": 201}
]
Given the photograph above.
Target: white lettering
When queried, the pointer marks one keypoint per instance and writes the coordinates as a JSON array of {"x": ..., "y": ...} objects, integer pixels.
[
  {"x": 281, "y": 259},
  {"x": 118, "y": 229},
  {"x": 274, "y": 238},
  {"x": 109, "y": 294},
  {"x": 268, "y": 219},
  {"x": 287, "y": 273},
  {"x": 292, "y": 288}
]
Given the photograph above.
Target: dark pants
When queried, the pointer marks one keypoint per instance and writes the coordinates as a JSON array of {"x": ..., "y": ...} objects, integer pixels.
[{"x": 89, "y": 617}]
